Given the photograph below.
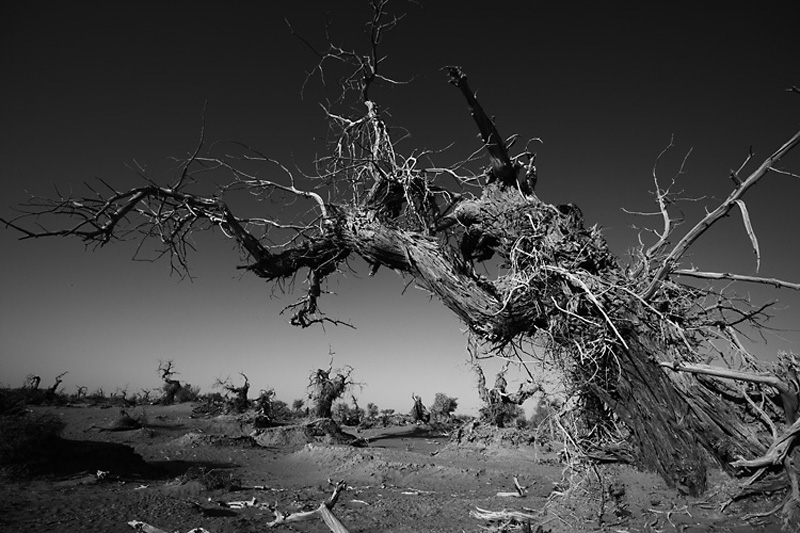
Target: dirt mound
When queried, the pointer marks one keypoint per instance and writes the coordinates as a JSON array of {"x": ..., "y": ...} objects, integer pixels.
[
  {"x": 65, "y": 457},
  {"x": 191, "y": 440},
  {"x": 323, "y": 430},
  {"x": 484, "y": 435},
  {"x": 227, "y": 424}
]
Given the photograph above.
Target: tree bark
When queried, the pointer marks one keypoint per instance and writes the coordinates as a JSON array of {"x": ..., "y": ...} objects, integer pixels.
[
  {"x": 325, "y": 390},
  {"x": 674, "y": 427}
]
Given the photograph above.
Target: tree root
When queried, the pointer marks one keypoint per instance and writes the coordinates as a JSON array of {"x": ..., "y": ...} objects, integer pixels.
[
  {"x": 789, "y": 508},
  {"x": 777, "y": 453}
]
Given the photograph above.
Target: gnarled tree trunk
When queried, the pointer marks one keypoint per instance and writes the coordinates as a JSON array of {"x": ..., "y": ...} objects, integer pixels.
[{"x": 613, "y": 327}]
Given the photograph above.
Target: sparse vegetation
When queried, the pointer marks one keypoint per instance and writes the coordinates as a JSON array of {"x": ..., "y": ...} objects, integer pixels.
[{"x": 346, "y": 414}]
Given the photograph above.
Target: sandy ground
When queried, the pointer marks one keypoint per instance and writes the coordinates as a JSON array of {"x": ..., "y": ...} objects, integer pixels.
[{"x": 180, "y": 472}]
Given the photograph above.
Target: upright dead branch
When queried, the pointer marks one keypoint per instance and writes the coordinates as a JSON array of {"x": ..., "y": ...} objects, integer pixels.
[{"x": 502, "y": 167}]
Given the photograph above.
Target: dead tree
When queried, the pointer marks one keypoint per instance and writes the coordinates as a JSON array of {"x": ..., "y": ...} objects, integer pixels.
[
  {"x": 32, "y": 382},
  {"x": 51, "y": 391},
  {"x": 324, "y": 389},
  {"x": 171, "y": 386},
  {"x": 239, "y": 402},
  {"x": 266, "y": 397},
  {"x": 419, "y": 413},
  {"x": 627, "y": 336},
  {"x": 358, "y": 413},
  {"x": 143, "y": 396},
  {"x": 500, "y": 406}
]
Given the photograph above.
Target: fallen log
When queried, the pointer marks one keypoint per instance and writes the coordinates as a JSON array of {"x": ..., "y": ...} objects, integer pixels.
[{"x": 323, "y": 511}]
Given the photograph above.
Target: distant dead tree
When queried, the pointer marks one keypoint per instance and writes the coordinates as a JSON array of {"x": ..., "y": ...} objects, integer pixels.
[
  {"x": 239, "y": 403},
  {"x": 51, "y": 391},
  {"x": 500, "y": 406},
  {"x": 264, "y": 402},
  {"x": 121, "y": 393},
  {"x": 143, "y": 396},
  {"x": 634, "y": 340},
  {"x": 419, "y": 413},
  {"x": 32, "y": 382},
  {"x": 171, "y": 386},
  {"x": 327, "y": 386},
  {"x": 358, "y": 412}
]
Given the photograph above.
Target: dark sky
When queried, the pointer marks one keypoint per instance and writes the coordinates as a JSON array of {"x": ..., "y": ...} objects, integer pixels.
[{"x": 88, "y": 89}]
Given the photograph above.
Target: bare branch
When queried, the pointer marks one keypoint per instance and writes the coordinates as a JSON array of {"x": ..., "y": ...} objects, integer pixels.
[
  {"x": 748, "y": 226},
  {"x": 778, "y": 283},
  {"x": 502, "y": 167},
  {"x": 764, "y": 378},
  {"x": 323, "y": 512},
  {"x": 777, "y": 452},
  {"x": 693, "y": 234}
]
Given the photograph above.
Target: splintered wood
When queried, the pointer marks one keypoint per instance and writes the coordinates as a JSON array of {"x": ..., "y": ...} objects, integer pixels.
[{"x": 323, "y": 512}]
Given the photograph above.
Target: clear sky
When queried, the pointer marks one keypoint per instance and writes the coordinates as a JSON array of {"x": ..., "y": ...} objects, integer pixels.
[{"x": 90, "y": 88}]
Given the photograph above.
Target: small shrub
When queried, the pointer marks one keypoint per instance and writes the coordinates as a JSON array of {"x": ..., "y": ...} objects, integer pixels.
[{"x": 346, "y": 415}]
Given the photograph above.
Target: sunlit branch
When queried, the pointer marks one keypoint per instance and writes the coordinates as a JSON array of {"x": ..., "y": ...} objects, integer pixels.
[{"x": 779, "y": 283}]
